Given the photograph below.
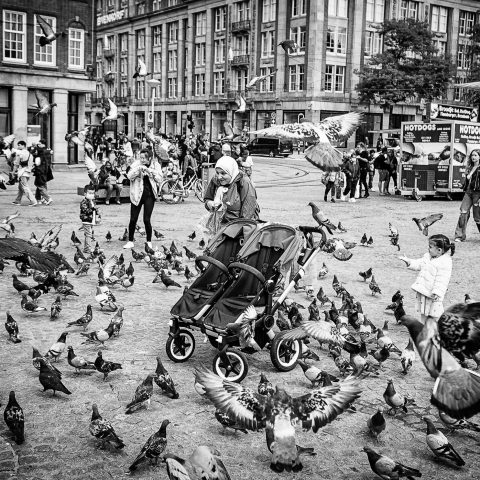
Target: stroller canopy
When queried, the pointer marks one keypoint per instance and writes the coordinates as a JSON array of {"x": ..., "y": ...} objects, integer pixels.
[{"x": 239, "y": 227}]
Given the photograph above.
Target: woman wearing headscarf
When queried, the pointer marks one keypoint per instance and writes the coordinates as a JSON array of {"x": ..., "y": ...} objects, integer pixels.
[
  {"x": 231, "y": 193},
  {"x": 145, "y": 175}
]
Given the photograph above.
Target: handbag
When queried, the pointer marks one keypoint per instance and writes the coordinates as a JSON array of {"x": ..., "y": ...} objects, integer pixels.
[{"x": 324, "y": 178}]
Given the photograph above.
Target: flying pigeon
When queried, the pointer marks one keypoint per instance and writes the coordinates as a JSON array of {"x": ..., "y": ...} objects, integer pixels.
[
  {"x": 140, "y": 69},
  {"x": 49, "y": 35},
  {"x": 43, "y": 105},
  {"x": 289, "y": 46},
  {"x": 260, "y": 78},
  {"x": 424, "y": 223},
  {"x": 111, "y": 111}
]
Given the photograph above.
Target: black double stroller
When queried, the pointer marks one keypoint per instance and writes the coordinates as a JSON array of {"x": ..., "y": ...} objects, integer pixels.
[{"x": 246, "y": 263}]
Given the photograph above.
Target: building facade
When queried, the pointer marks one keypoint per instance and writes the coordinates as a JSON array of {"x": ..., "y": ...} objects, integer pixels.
[
  {"x": 61, "y": 71},
  {"x": 203, "y": 54}
]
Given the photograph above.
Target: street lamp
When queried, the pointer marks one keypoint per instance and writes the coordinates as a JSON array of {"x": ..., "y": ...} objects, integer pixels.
[{"x": 153, "y": 84}]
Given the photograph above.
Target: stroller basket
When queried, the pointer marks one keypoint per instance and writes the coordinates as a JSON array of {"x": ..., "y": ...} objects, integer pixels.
[
  {"x": 222, "y": 249},
  {"x": 267, "y": 250}
]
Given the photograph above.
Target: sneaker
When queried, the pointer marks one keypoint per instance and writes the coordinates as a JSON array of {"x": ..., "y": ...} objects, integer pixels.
[
  {"x": 325, "y": 199},
  {"x": 149, "y": 244},
  {"x": 459, "y": 240},
  {"x": 332, "y": 200},
  {"x": 129, "y": 245},
  {"x": 107, "y": 202},
  {"x": 16, "y": 203},
  {"x": 372, "y": 189},
  {"x": 33, "y": 204},
  {"x": 352, "y": 200},
  {"x": 49, "y": 202},
  {"x": 118, "y": 201}
]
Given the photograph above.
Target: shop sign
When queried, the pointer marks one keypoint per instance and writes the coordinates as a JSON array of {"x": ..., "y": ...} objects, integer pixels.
[
  {"x": 451, "y": 112},
  {"x": 426, "y": 133},
  {"x": 467, "y": 133},
  {"x": 111, "y": 17}
]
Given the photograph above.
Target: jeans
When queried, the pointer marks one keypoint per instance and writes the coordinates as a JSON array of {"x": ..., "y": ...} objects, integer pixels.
[
  {"x": 111, "y": 185},
  {"x": 371, "y": 174},
  {"x": 89, "y": 239},
  {"x": 42, "y": 192},
  {"x": 148, "y": 202},
  {"x": 351, "y": 187},
  {"x": 363, "y": 182},
  {"x": 329, "y": 186},
  {"x": 471, "y": 200},
  {"x": 23, "y": 188}
]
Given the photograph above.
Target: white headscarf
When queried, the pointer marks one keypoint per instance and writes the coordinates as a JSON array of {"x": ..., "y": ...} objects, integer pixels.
[{"x": 228, "y": 165}]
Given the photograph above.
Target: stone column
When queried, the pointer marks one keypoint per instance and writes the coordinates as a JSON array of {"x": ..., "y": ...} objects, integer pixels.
[
  {"x": 59, "y": 124},
  {"x": 20, "y": 112},
  {"x": 81, "y": 124}
]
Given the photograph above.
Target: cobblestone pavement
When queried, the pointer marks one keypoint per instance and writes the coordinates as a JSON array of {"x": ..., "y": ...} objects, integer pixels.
[{"x": 58, "y": 444}]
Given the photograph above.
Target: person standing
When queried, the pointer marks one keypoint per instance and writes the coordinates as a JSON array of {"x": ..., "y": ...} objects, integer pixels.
[
  {"x": 471, "y": 197},
  {"x": 89, "y": 216},
  {"x": 352, "y": 173},
  {"x": 145, "y": 177},
  {"x": 392, "y": 165},
  {"x": 42, "y": 171},
  {"x": 329, "y": 179},
  {"x": 363, "y": 162},
  {"x": 23, "y": 163},
  {"x": 381, "y": 166}
]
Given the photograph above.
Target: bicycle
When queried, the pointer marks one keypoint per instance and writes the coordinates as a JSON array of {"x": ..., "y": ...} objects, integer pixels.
[{"x": 173, "y": 189}]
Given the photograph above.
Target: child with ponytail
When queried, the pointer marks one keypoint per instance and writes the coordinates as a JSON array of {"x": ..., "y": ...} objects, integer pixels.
[{"x": 435, "y": 270}]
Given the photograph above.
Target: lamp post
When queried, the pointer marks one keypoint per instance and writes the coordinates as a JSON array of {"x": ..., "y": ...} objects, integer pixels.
[{"x": 153, "y": 85}]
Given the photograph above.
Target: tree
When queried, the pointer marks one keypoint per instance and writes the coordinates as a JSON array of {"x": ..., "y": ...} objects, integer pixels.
[
  {"x": 473, "y": 72},
  {"x": 409, "y": 67}
]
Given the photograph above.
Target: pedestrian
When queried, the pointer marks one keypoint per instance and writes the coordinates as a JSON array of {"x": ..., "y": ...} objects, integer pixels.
[
  {"x": 42, "y": 171},
  {"x": 381, "y": 166},
  {"x": 352, "y": 172},
  {"x": 392, "y": 165},
  {"x": 246, "y": 163},
  {"x": 229, "y": 195},
  {"x": 109, "y": 177},
  {"x": 379, "y": 143},
  {"x": 190, "y": 165},
  {"x": 471, "y": 197},
  {"x": 435, "y": 270},
  {"x": 89, "y": 216},
  {"x": 23, "y": 163},
  {"x": 371, "y": 170},
  {"x": 127, "y": 151},
  {"x": 364, "y": 164},
  {"x": 145, "y": 177},
  {"x": 328, "y": 179}
]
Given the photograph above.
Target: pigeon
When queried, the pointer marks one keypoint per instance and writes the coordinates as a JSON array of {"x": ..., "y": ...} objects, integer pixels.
[
  {"x": 84, "y": 320},
  {"x": 322, "y": 298},
  {"x": 130, "y": 270},
  {"x": 370, "y": 241},
  {"x": 43, "y": 104},
  {"x": 341, "y": 228},
  {"x": 83, "y": 269},
  {"x": 192, "y": 236},
  {"x": 440, "y": 446},
  {"x": 366, "y": 274},
  {"x": 15, "y": 419},
  {"x": 66, "y": 291},
  {"x": 337, "y": 286},
  {"x": 117, "y": 321},
  {"x": 111, "y": 111},
  {"x": 364, "y": 240},
  {"x": 320, "y": 218},
  {"x": 30, "y": 306},
  {"x": 55, "y": 308},
  {"x": 104, "y": 366},
  {"x": 153, "y": 448},
  {"x": 453, "y": 424},
  {"x": 58, "y": 347},
  {"x": 138, "y": 256},
  {"x": 394, "y": 241},
  {"x": 49, "y": 36},
  {"x": 312, "y": 373},
  {"x": 124, "y": 237},
  {"x": 158, "y": 235},
  {"x": 408, "y": 357},
  {"x": 37, "y": 356},
  {"x": 78, "y": 363},
  {"x": 51, "y": 380},
  {"x": 108, "y": 237},
  {"x": 456, "y": 390},
  {"x": 18, "y": 285},
  {"x": 142, "y": 396},
  {"x": 260, "y": 78},
  {"x": 101, "y": 335},
  {"x": 373, "y": 286},
  {"x": 376, "y": 423},
  {"x": 105, "y": 298},
  {"x": 393, "y": 399},
  {"x": 393, "y": 230},
  {"x": 227, "y": 422},
  {"x": 279, "y": 411},
  {"x": 167, "y": 281},
  {"x": 387, "y": 468},
  {"x": 188, "y": 273},
  {"x": 75, "y": 240},
  {"x": 424, "y": 223},
  {"x": 204, "y": 463},
  {"x": 140, "y": 69},
  {"x": 323, "y": 271},
  {"x": 12, "y": 328},
  {"x": 127, "y": 282},
  {"x": 189, "y": 254},
  {"x": 164, "y": 380},
  {"x": 265, "y": 387},
  {"x": 102, "y": 430},
  {"x": 289, "y": 46},
  {"x": 201, "y": 244},
  {"x": 381, "y": 354}
]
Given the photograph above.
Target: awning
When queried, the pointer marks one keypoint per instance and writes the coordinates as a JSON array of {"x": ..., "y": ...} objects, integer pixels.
[
  {"x": 472, "y": 85},
  {"x": 386, "y": 130}
]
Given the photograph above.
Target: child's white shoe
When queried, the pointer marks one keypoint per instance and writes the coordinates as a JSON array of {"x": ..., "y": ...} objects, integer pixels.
[{"x": 129, "y": 245}]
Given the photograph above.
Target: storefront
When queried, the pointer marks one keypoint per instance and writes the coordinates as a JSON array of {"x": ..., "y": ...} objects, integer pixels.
[
  {"x": 217, "y": 129},
  {"x": 199, "y": 122},
  {"x": 265, "y": 119},
  {"x": 241, "y": 121},
  {"x": 5, "y": 112},
  {"x": 292, "y": 116},
  {"x": 171, "y": 127}
]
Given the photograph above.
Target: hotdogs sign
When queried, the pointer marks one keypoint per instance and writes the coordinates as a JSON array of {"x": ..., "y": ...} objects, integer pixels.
[{"x": 111, "y": 17}]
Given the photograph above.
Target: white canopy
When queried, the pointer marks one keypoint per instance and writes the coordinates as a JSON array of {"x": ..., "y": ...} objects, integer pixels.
[{"x": 472, "y": 85}]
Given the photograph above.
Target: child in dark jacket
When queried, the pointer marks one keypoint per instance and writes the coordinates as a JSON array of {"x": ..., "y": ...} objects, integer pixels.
[{"x": 89, "y": 216}]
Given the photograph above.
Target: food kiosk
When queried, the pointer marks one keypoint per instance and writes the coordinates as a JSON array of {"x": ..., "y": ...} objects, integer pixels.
[{"x": 434, "y": 156}]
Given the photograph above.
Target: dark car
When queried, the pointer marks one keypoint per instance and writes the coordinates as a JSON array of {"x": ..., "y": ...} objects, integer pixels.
[{"x": 270, "y": 146}]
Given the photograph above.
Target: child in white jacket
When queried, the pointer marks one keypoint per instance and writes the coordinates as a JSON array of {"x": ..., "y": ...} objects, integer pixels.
[{"x": 435, "y": 270}]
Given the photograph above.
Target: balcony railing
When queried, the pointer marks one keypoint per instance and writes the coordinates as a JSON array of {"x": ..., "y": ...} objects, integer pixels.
[
  {"x": 95, "y": 101},
  {"x": 108, "y": 53},
  {"x": 242, "y": 26},
  {"x": 241, "y": 60},
  {"x": 121, "y": 100}
]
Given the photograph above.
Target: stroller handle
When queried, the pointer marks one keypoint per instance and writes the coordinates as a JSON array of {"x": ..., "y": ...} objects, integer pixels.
[
  {"x": 307, "y": 229},
  {"x": 212, "y": 261},
  {"x": 247, "y": 268}
]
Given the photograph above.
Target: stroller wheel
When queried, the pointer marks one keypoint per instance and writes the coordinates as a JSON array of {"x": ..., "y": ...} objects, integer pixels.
[
  {"x": 231, "y": 365},
  {"x": 180, "y": 347},
  {"x": 285, "y": 353}
]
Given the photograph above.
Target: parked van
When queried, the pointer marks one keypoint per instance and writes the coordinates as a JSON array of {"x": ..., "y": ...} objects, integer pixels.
[{"x": 270, "y": 146}]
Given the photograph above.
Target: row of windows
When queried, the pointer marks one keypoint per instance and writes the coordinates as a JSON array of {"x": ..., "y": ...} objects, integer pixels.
[{"x": 15, "y": 42}]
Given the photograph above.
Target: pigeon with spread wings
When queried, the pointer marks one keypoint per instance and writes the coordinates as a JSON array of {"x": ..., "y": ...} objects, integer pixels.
[
  {"x": 280, "y": 411},
  {"x": 49, "y": 35},
  {"x": 260, "y": 78},
  {"x": 111, "y": 111},
  {"x": 332, "y": 130},
  {"x": 43, "y": 105},
  {"x": 424, "y": 223}
]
